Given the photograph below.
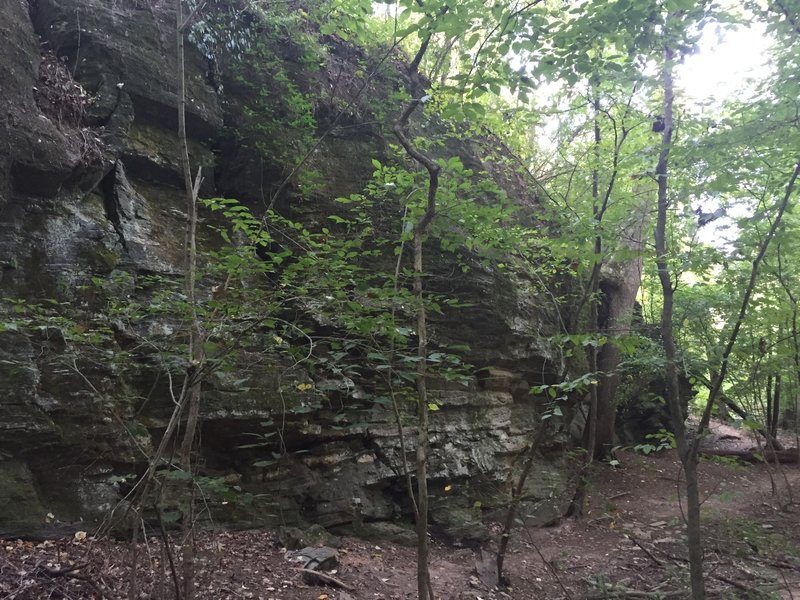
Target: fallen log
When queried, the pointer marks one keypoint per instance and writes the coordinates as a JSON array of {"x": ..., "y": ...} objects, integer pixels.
[
  {"x": 788, "y": 456},
  {"x": 327, "y": 579},
  {"x": 740, "y": 412}
]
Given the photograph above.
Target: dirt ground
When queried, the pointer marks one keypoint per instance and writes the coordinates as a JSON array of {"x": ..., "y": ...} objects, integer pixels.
[{"x": 629, "y": 544}]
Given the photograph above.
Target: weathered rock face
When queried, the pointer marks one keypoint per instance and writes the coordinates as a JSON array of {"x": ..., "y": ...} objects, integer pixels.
[{"x": 100, "y": 195}]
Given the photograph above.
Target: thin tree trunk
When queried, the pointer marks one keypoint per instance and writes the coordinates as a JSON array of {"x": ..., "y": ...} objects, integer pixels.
[
  {"x": 768, "y": 415},
  {"x": 190, "y": 390},
  {"x": 795, "y": 350},
  {"x": 602, "y": 360},
  {"x": 776, "y": 406},
  {"x": 191, "y": 190},
  {"x": 796, "y": 358},
  {"x": 748, "y": 294},
  {"x": 688, "y": 450},
  {"x": 688, "y": 458},
  {"x": 590, "y": 435},
  {"x": 195, "y": 349},
  {"x": 423, "y": 434},
  {"x": 133, "y": 586},
  {"x": 597, "y": 215},
  {"x": 395, "y": 408},
  {"x": 424, "y": 589}
]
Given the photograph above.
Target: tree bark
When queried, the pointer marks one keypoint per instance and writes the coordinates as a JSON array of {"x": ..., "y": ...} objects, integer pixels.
[
  {"x": 575, "y": 508},
  {"x": 688, "y": 450},
  {"x": 191, "y": 190},
  {"x": 620, "y": 286},
  {"x": 195, "y": 353},
  {"x": 424, "y": 589},
  {"x": 603, "y": 360},
  {"x": 776, "y": 407},
  {"x": 687, "y": 456}
]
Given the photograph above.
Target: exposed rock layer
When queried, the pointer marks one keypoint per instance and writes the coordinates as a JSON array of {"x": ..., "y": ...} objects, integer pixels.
[{"x": 101, "y": 195}]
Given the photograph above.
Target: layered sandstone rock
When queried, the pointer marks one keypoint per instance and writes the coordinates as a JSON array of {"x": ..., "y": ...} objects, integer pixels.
[{"x": 100, "y": 195}]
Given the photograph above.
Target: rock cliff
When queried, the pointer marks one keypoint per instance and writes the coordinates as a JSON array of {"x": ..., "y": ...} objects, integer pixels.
[{"x": 90, "y": 188}]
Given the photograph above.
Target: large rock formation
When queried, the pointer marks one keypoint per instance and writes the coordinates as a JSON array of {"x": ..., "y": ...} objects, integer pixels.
[{"x": 90, "y": 189}]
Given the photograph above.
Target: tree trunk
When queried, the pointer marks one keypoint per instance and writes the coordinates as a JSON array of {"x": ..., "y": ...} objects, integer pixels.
[
  {"x": 688, "y": 451},
  {"x": 424, "y": 589},
  {"x": 687, "y": 456},
  {"x": 590, "y": 432},
  {"x": 594, "y": 290},
  {"x": 776, "y": 407},
  {"x": 195, "y": 351},
  {"x": 422, "y": 435},
  {"x": 191, "y": 190},
  {"x": 611, "y": 298},
  {"x": 607, "y": 362},
  {"x": 620, "y": 286}
]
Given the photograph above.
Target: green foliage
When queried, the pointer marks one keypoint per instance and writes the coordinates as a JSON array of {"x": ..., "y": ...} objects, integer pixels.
[
  {"x": 329, "y": 306},
  {"x": 259, "y": 56},
  {"x": 347, "y": 19},
  {"x": 661, "y": 440},
  {"x": 475, "y": 221}
]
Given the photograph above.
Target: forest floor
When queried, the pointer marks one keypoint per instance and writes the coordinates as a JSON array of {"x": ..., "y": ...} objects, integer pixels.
[{"x": 629, "y": 544}]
